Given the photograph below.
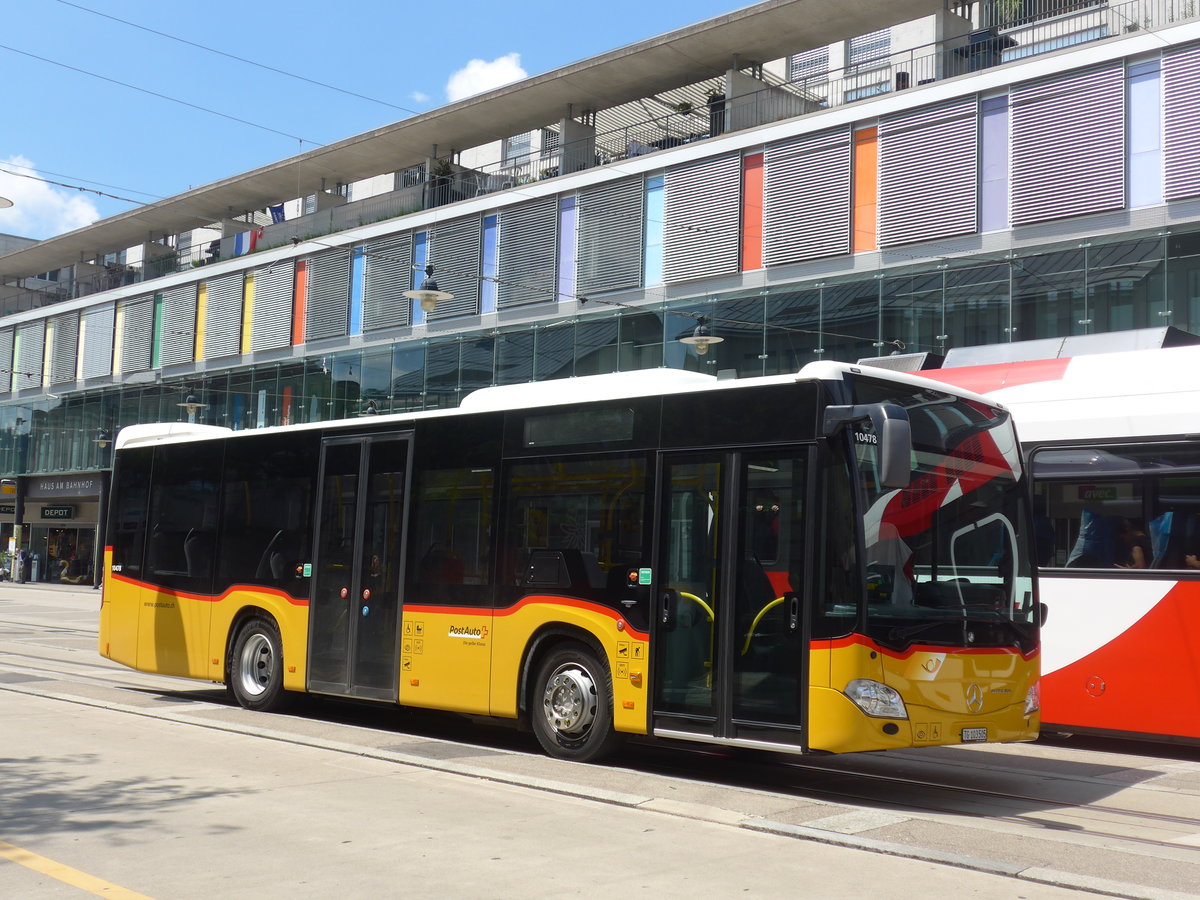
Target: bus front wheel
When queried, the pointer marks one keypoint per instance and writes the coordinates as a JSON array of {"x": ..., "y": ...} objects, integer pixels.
[
  {"x": 256, "y": 668},
  {"x": 571, "y": 709}
]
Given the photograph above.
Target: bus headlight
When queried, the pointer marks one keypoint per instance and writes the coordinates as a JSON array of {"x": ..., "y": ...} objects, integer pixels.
[
  {"x": 876, "y": 699},
  {"x": 1033, "y": 698}
]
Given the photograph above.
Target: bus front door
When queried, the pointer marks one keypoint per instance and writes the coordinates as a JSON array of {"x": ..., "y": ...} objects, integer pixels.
[
  {"x": 354, "y": 614},
  {"x": 730, "y": 633}
]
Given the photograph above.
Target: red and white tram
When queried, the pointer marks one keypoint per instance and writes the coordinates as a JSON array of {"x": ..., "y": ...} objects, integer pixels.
[{"x": 1113, "y": 441}]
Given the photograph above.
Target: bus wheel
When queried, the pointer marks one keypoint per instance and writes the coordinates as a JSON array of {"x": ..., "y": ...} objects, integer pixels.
[
  {"x": 572, "y": 705},
  {"x": 256, "y": 669}
]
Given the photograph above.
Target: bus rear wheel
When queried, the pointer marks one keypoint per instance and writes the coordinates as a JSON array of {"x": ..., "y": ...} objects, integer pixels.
[
  {"x": 256, "y": 667},
  {"x": 571, "y": 708}
]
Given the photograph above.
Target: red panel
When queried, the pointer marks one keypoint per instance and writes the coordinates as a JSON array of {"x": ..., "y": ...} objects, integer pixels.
[
  {"x": 1145, "y": 680},
  {"x": 984, "y": 379},
  {"x": 752, "y": 212},
  {"x": 301, "y": 296}
]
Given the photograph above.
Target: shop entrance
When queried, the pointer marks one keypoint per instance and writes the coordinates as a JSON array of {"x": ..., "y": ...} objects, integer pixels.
[{"x": 61, "y": 555}]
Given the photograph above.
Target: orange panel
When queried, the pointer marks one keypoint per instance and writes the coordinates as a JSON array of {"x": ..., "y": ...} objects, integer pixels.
[
  {"x": 866, "y": 189},
  {"x": 752, "y": 212},
  {"x": 299, "y": 298}
]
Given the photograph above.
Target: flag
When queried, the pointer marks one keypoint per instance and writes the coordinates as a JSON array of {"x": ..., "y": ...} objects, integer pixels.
[
  {"x": 246, "y": 242},
  {"x": 276, "y": 214}
]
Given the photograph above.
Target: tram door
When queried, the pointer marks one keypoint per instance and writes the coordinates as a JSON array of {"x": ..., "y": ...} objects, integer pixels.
[
  {"x": 354, "y": 613},
  {"x": 731, "y": 633}
]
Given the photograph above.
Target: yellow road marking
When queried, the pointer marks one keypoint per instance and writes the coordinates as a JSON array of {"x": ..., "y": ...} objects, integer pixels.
[{"x": 67, "y": 875}]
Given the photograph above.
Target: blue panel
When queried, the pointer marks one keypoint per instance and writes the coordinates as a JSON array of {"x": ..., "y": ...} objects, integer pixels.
[
  {"x": 652, "y": 265},
  {"x": 489, "y": 288},
  {"x": 357, "y": 265},
  {"x": 1144, "y": 137},
  {"x": 568, "y": 223},
  {"x": 420, "y": 256},
  {"x": 993, "y": 150}
]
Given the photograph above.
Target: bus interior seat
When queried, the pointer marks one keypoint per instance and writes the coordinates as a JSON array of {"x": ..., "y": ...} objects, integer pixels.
[
  {"x": 277, "y": 557},
  {"x": 198, "y": 553}
]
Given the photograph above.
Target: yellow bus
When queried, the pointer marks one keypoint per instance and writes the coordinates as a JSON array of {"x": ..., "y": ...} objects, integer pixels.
[{"x": 830, "y": 561}]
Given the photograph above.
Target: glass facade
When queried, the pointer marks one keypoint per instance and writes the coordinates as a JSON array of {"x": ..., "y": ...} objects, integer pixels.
[{"x": 1137, "y": 282}]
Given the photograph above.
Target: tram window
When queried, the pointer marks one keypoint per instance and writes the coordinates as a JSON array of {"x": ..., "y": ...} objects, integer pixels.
[
  {"x": 267, "y": 498},
  {"x": 452, "y": 534},
  {"x": 585, "y": 515},
  {"x": 183, "y": 516},
  {"x": 127, "y": 518}
]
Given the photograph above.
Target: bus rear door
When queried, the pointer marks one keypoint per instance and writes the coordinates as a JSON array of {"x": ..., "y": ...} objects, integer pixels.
[
  {"x": 358, "y": 559},
  {"x": 730, "y": 634}
]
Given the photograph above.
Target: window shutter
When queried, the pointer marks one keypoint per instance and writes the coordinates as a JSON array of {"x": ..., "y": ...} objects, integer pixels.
[
  {"x": 98, "y": 325},
  {"x": 388, "y": 274},
  {"x": 6, "y": 360},
  {"x": 1181, "y": 109},
  {"x": 136, "y": 329},
  {"x": 223, "y": 316},
  {"x": 66, "y": 345},
  {"x": 702, "y": 203},
  {"x": 1068, "y": 145},
  {"x": 328, "y": 307},
  {"x": 610, "y": 237},
  {"x": 929, "y": 173},
  {"x": 806, "y": 198},
  {"x": 272, "y": 321},
  {"x": 528, "y": 253},
  {"x": 179, "y": 325},
  {"x": 455, "y": 250}
]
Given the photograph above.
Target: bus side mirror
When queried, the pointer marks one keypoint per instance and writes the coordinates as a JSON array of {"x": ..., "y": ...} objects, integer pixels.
[{"x": 892, "y": 433}]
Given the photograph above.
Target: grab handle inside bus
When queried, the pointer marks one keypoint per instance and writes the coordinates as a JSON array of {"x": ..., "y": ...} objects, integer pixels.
[{"x": 890, "y": 430}]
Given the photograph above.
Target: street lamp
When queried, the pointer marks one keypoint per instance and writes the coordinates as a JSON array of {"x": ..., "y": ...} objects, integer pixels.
[
  {"x": 701, "y": 337},
  {"x": 193, "y": 405},
  {"x": 428, "y": 294}
]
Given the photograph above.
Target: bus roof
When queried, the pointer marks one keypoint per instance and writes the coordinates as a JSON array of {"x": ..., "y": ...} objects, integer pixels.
[
  {"x": 531, "y": 395},
  {"x": 1104, "y": 395}
]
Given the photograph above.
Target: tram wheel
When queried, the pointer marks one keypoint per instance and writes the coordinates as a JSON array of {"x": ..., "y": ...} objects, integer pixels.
[
  {"x": 256, "y": 667},
  {"x": 571, "y": 706}
]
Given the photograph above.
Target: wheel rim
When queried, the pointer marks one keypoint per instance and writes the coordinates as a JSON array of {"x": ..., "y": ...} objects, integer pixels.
[
  {"x": 569, "y": 701},
  {"x": 256, "y": 667}
]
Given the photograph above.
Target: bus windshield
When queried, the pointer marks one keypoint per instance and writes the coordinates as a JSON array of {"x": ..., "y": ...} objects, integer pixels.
[{"x": 946, "y": 557}]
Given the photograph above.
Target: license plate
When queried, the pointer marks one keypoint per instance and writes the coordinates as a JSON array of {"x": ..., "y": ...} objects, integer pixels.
[{"x": 970, "y": 735}]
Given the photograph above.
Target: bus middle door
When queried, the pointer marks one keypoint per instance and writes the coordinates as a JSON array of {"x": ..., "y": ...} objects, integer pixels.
[
  {"x": 354, "y": 616},
  {"x": 730, "y": 635}
]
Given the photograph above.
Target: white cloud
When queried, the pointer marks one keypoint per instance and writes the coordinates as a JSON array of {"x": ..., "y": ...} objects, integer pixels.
[
  {"x": 419, "y": 97},
  {"x": 39, "y": 210},
  {"x": 478, "y": 76}
]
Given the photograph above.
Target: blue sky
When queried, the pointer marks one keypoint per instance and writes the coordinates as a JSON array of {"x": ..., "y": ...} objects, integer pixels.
[{"x": 70, "y": 126}]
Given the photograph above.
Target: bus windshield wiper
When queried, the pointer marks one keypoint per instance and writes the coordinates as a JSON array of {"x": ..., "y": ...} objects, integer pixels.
[{"x": 897, "y": 632}]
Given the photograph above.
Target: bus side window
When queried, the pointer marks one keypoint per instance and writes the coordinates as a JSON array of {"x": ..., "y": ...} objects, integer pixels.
[
  {"x": 183, "y": 508},
  {"x": 267, "y": 500},
  {"x": 127, "y": 516},
  {"x": 452, "y": 534}
]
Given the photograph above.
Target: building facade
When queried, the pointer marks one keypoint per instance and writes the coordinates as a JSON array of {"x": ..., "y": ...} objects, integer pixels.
[{"x": 982, "y": 175}]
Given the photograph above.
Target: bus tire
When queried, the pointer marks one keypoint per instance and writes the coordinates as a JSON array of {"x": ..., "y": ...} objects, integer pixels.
[
  {"x": 256, "y": 666},
  {"x": 571, "y": 705}
]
